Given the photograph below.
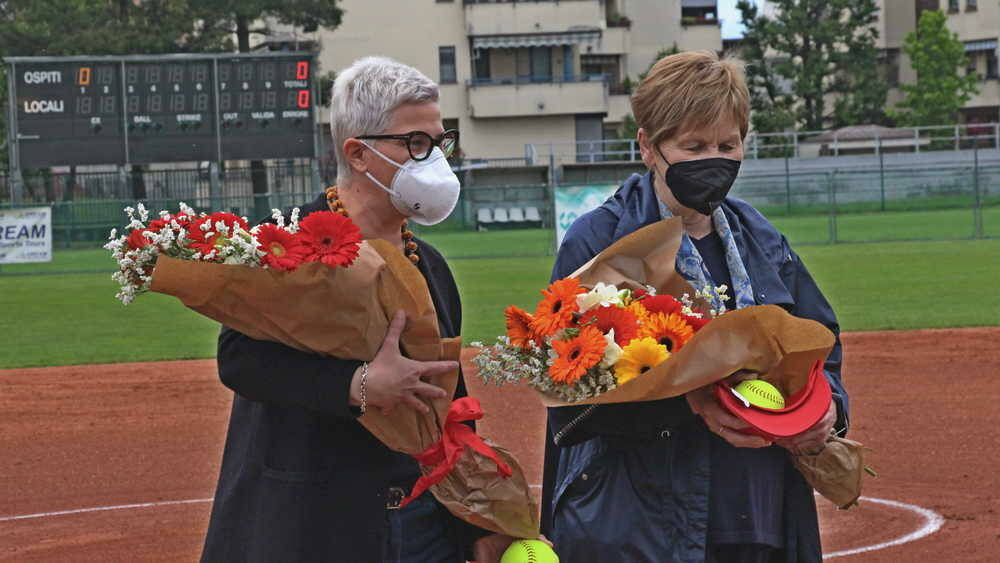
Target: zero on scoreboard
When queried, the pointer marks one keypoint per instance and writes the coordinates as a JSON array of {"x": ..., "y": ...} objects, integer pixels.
[{"x": 168, "y": 108}]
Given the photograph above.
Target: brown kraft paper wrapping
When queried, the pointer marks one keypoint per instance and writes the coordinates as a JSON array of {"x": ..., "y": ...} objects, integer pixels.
[{"x": 345, "y": 313}]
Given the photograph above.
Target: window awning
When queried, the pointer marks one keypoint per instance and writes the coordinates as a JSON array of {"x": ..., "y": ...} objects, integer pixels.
[
  {"x": 524, "y": 40},
  {"x": 698, "y": 3},
  {"x": 982, "y": 45}
]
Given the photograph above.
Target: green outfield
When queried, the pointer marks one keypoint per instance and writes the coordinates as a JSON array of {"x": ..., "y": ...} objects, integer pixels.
[{"x": 73, "y": 318}]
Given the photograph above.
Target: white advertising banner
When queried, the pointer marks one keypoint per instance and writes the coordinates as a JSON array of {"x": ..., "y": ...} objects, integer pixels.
[
  {"x": 573, "y": 201},
  {"x": 25, "y": 235}
]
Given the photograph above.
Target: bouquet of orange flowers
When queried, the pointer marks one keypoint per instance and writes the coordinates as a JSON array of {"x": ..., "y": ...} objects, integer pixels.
[{"x": 580, "y": 344}]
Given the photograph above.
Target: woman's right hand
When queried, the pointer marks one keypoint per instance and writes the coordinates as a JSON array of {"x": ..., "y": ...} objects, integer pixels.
[
  {"x": 720, "y": 422},
  {"x": 394, "y": 378}
]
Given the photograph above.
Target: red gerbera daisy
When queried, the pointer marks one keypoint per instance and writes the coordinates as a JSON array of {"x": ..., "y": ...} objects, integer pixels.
[
  {"x": 183, "y": 220},
  {"x": 136, "y": 241},
  {"x": 329, "y": 238},
  {"x": 624, "y": 322},
  {"x": 665, "y": 304},
  {"x": 283, "y": 251},
  {"x": 205, "y": 240},
  {"x": 697, "y": 323}
]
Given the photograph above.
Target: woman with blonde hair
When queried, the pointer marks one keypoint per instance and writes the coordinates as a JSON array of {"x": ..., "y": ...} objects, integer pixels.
[{"x": 675, "y": 479}]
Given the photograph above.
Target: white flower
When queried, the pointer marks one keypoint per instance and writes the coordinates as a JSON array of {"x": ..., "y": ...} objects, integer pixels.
[
  {"x": 612, "y": 352},
  {"x": 603, "y": 295}
]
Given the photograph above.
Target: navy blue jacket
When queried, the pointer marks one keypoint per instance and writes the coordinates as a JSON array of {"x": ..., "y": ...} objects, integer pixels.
[{"x": 634, "y": 481}]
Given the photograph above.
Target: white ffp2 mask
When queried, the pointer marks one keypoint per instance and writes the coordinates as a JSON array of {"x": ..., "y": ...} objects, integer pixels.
[{"x": 425, "y": 191}]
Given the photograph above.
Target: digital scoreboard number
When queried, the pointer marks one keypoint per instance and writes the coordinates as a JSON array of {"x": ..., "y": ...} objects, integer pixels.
[{"x": 163, "y": 109}]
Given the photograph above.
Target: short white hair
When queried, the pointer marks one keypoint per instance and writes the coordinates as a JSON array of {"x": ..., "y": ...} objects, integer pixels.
[{"x": 364, "y": 97}]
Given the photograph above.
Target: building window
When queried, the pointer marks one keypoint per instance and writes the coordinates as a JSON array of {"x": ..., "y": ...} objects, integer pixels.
[
  {"x": 952, "y": 6},
  {"x": 992, "y": 73},
  {"x": 446, "y": 62},
  {"x": 541, "y": 64},
  {"x": 971, "y": 5},
  {"x": 971, "y": 66},
  {"x": 481, "y": 64},
  {"x": 889, "y": 62},
  {"x": 698, "y": 12}
]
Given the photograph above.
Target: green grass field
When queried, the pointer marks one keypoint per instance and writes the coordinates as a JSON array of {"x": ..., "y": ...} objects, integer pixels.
[{"x": 62, "y": 319}]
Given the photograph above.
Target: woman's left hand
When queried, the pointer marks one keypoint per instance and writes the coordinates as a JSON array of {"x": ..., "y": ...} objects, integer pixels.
[{"x": 813, "y": 440}]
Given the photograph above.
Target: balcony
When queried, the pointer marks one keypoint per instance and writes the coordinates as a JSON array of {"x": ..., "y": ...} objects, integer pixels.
[
  {"x": 614, "y": 40},
  {"x": 526, "y": 97},
  {"x": 988, "y": 96},
  {"x": 500, "y": 18}
]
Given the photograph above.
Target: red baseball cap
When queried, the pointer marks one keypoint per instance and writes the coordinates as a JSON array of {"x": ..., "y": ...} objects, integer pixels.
[{"x": 802, "y": 410}]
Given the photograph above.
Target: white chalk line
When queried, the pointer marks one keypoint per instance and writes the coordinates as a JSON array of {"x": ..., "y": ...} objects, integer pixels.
[
  {"x": 932, "y": 523},
  {"x": 932, "y": 520},
  {"x": 102, "y": 509}
]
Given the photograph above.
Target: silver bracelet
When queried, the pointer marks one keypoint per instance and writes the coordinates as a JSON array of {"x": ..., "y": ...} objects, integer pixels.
[{"x": 364, "y": 387}]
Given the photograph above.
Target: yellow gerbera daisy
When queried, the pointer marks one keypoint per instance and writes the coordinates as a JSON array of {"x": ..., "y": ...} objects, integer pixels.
[{"x": 638, "y": 357}]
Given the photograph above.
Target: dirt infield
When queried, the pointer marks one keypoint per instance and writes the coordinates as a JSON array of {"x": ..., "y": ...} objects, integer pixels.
[{"x": 97, "y": 459}]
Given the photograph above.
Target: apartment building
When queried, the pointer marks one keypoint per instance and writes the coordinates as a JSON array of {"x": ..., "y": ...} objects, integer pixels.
[
  {"x": 514, "y": 72},
  {"x": 977, "y": 24}
]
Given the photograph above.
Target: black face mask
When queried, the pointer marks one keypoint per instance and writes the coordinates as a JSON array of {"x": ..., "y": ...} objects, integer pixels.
[{"x": 703, "y": 184}]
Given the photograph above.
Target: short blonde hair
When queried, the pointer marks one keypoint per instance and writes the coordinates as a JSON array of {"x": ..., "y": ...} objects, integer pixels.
[{"x": 690, "y": 91}]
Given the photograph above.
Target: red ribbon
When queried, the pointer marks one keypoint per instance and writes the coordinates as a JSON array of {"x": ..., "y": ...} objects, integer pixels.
[{"x": 445, "y": 453}]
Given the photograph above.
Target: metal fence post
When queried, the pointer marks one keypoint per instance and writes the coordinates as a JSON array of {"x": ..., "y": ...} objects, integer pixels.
[
  {"x": 832, "y": 203},
  {"x": 788, "y": 189},
  {"x": 957, "y": 137},
  {"x": 916, "y": 140},
  {"x": 552, "y": 204},
  {"x": 881, "y": 171},
  {"x": 996, "y": 136},
  {"x": 214, "y": 186},
  {"x": 977, "y": 211}
]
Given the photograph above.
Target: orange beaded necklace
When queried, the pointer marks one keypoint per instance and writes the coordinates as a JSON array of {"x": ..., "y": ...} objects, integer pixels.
[{"x": 409, "y": 245}]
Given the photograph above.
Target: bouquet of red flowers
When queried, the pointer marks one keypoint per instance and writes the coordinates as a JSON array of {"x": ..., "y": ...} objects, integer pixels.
[{"x": 265, "y": 281}]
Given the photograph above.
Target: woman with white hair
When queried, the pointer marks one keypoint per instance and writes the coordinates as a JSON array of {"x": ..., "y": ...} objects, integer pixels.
[{"x": 301, "y": 479}]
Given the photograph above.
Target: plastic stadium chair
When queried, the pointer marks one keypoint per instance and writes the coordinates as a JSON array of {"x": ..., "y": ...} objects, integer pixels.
[
  {"x": 516, "y": 215},
  {"x": 531, "y": 214},
  {"x": 500, "y": 215}
]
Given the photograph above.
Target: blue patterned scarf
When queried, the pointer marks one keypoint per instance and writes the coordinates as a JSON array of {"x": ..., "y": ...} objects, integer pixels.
[{"x": 692, "y": 267}]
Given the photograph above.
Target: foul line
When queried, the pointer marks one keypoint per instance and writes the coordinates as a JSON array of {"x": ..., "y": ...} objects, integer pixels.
[
  {"x": 932, "y": 523},
  {"x": 102, "y": 508},
  {"x": 932, "y": 520}
]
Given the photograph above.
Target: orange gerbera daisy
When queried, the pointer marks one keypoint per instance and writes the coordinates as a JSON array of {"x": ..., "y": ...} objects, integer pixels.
[
  {"x": 672, "y": 331},
  {"x": 639, "y": 311},
  {"x": 577, "y": 355},
  {"x": 555, "y": 312},
  {"x": 518, "y": 326},
  {"x": 606, "y": 318}
]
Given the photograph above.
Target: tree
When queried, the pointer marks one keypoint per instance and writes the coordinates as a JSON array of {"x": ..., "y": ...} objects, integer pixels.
[
  {"x": 938, "y": 57},
  {"x": 809, "y": 52}
]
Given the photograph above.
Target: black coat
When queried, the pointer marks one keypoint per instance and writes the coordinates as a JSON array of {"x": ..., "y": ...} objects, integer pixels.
[
  {"x": 634, "y": 481},
  {"x": 301, "y": 479}
]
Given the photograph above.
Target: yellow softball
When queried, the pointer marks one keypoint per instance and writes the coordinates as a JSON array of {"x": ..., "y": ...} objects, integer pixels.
[
  {"x": 760, "y": 393},
  {"x": 529, "y": 551}
]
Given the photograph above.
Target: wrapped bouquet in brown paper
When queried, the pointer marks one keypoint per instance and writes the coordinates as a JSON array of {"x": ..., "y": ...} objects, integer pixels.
[
  {"x": 265, "y": 282},
  {"x": 627, "y": 327}
]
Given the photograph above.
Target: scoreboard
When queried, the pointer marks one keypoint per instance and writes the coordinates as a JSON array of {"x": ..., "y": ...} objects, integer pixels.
[{"x": 168, "y": 108}]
